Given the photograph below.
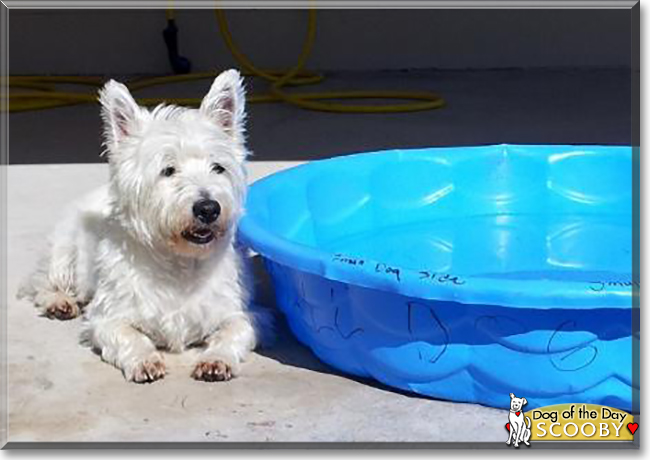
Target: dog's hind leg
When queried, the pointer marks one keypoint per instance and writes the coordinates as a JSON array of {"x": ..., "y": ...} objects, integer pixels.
[
  {"x": 64, "y": 279},
  {"x": 527, "y": 432},
  {"x": 52, "y": 287}
]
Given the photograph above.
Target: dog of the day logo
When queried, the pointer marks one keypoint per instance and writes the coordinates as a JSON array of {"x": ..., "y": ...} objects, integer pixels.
[
  {"x": 518, "y": 424},
  {"x": 568, "y": 422}
]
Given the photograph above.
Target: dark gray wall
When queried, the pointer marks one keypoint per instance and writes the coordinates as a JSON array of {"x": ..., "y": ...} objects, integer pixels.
[{"x": 130, "y": 42}]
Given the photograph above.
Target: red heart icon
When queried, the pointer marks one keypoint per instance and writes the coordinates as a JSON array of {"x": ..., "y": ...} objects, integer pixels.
[
  {"x": 632, "y": 427},
  {"x": 508, "y": 426},
  {"x": 517, "y": 413}
]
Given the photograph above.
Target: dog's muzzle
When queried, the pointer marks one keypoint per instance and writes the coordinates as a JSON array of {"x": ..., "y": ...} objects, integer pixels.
[
  {"x": 206, "y": 212},
  {"x": 199, "y": 235}
]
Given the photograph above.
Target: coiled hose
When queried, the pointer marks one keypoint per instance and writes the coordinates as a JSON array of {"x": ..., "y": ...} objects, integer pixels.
[{"x": 39, "y": 92}]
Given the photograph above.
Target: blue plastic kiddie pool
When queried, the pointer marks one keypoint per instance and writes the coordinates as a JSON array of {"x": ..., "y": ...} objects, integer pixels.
[{"x": 462, "y": 273}]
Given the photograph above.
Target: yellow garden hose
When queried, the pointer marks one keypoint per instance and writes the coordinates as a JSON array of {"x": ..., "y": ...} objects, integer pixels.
[{"x": 40, "y": 92}]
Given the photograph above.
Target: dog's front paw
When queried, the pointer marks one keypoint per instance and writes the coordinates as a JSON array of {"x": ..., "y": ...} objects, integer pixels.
[
  {"x": 147, "y": 371},
  {"x": 212, "y": 371},
  {"x": 63, "y": 308}
]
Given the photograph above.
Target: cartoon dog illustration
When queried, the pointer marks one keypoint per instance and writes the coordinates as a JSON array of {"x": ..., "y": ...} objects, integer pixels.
[{"x": 519, "y": 429}]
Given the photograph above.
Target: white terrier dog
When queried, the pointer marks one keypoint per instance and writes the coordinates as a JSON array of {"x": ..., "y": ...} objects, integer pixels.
[{"x": 152, "y": 253}]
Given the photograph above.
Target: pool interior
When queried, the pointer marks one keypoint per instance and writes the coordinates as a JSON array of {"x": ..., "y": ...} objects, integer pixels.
[
  {"x": 514, "y": 247},
  {"x": 501, "y": 211}
]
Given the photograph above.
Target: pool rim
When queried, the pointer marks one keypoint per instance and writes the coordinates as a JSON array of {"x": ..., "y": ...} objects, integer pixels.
[{"x": 480, "y": 290}]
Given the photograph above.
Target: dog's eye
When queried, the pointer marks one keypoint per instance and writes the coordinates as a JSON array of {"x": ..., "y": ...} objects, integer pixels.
[
  {"x": 168, "y": 171},
  {"x": 217, "y": 168}
]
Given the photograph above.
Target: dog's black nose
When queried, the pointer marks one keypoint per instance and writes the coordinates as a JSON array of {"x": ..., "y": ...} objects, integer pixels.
[{"x": 206, "y": 211}]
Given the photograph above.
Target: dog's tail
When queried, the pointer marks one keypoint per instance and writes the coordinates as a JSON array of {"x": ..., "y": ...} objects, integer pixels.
[{"x": 528, "y": 422}]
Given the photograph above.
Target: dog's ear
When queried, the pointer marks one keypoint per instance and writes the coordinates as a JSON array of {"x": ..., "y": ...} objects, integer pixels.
[
  {"x": 225, "y": 103},
  {"x": 512, "y": 395},
  {"x": 524, "y": 401},
  {"x": 120, "y": 112}
]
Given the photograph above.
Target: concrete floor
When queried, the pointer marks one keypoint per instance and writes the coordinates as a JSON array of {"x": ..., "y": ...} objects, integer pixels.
[{"x": 60, "y": 391}]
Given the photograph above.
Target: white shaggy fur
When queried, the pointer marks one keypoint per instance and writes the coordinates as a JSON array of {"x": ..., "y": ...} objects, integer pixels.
[{"x": 125, "y": 251}]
